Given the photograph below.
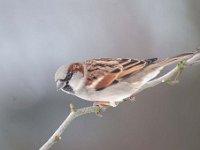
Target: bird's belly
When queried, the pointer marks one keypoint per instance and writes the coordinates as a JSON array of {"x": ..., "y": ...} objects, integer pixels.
[
  {"x": 119, "y": 91},
  {"x": 114, "y": 93}
]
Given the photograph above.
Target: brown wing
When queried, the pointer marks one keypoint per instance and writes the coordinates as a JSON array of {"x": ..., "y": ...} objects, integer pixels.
[{"x": 104, "y": 72}]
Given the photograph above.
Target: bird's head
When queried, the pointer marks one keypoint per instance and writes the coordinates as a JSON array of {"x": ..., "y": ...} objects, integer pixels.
[{"x": 70, "y": 78}]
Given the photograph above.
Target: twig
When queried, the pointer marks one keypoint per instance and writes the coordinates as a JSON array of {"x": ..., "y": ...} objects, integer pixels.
[
  {"x": 73, "y": 115},
  {"x": 192, "y": 61},
  {"x": 95, "y": 109}
]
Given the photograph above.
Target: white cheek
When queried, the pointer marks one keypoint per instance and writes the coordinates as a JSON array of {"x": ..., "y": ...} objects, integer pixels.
[{"x": 76, "y": 82}]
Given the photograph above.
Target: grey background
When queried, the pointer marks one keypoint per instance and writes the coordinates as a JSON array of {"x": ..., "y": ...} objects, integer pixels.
[{"x": 36, "y": 37}]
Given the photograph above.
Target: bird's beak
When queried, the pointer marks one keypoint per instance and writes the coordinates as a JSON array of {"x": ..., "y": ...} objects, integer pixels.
[{"x": 60, "y": 84}]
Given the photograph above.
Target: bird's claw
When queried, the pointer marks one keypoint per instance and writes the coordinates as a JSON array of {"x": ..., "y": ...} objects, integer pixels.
[
  {"x": 102, "y": 108},
  {"x": 98, "y": 114}
]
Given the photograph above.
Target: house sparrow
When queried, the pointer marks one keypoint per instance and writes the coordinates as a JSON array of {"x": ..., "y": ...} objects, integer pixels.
[{"x": 108, "y": 81}]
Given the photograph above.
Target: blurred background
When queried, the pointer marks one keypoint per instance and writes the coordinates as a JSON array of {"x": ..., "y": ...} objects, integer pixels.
[{"x": 36, "y": 37}]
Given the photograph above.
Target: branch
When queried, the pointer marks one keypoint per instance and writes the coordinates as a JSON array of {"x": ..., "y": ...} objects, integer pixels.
[
  {"x": 195, "y": 60},
  {"x": 95, "y": 109},
  {"x": 73, "y": 115}
]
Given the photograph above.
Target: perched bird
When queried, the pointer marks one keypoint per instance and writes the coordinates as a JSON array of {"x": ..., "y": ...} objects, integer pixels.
[{"x": 108, "y": 81}]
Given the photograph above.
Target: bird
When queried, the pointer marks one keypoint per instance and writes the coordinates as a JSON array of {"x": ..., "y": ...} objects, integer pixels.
[{"x": 108, "y": 81}]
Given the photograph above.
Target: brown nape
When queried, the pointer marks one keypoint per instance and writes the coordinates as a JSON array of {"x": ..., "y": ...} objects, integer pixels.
[{"x": 76, "y": 67}]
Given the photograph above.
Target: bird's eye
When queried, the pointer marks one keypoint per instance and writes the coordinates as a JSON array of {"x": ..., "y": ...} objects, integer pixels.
[{"x": 69, "y": 75}]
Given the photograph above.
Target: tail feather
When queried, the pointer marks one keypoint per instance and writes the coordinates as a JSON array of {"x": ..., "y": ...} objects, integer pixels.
[
  {"x": 175, "y": 59},
  {"x": 157, "y": 67}
]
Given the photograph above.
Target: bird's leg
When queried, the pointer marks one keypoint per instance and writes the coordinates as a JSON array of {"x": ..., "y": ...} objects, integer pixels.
[{"x": 181, "y": 66}]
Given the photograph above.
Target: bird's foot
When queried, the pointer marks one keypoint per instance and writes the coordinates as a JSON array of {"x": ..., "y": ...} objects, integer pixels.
[{"x": 103, "y": 106}]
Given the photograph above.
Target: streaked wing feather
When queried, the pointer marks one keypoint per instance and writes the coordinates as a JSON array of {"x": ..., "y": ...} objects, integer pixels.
[
  {"x": 132, "y": 69},
  {"x": 113, "y": 70},
  {"x": 106, "y": 81}
]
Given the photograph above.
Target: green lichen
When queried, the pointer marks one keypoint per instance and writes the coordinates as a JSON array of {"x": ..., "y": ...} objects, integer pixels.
[{"x": 181, "y": 67}]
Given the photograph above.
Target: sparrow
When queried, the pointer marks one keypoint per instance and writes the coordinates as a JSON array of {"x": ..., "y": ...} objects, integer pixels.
[{"x": 108, "y": 81}]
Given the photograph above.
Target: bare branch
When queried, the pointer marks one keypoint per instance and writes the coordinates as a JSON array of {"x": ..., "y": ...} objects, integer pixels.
[{"x": 73, "y": 114}]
